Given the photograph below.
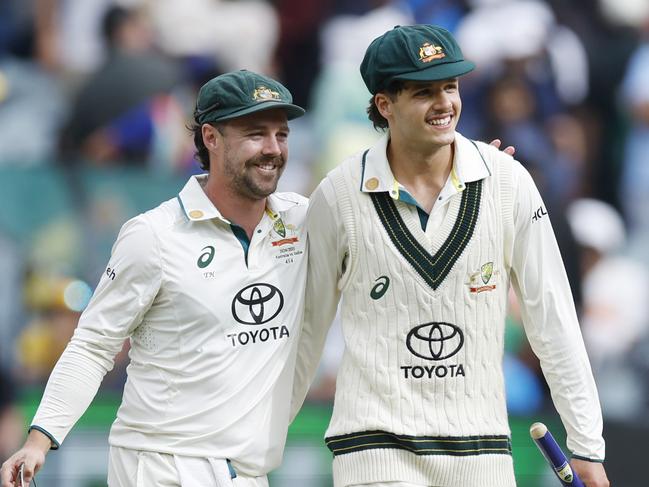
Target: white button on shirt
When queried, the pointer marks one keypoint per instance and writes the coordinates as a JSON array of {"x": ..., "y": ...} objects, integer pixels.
[{"x": 212, "y": 329}]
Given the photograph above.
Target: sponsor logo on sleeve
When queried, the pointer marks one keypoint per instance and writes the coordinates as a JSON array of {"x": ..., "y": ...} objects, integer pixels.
[
  {"x": 111, "y": 273},
  {"x": 538, "y": 214}
]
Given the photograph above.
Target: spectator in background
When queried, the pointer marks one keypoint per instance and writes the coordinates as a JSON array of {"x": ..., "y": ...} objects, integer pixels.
[
  {"x": 55, "y": 304},
  {"x": 497, "y": 32},
  {"x": 127, "y": 106},
  {"x": 241, "y": 34},
  {"x": 615, "y": 315},
  {"x": 297, "y": 56},
  {"x": 605, "y": 28},
  {"x": 445, "y": 13},
  {"x": 534, "y": 71},
  {"x": 342, "y": 127},
  {"x": 31, "y": 98},
  {"x": 635, "y": 169}
]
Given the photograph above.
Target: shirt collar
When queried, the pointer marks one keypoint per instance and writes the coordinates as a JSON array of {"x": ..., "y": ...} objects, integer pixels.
[
  {"x": 197, "y": 206},
  {"x": 278, "y": 203},
  {"x": 468, "y": 166},
  {"x": 469, "y": 163},
  {"x": 194, "y": 202}
]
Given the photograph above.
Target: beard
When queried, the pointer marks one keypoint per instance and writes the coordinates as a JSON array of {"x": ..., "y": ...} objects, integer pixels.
[{"x": 251, "y": 184}]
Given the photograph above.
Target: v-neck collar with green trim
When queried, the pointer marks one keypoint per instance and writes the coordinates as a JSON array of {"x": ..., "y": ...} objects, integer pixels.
[{"x": 469, "y": 169}]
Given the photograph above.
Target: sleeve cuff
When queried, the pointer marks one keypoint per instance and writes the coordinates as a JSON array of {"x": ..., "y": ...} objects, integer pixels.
[
  {"x": 55, "y": 444},
  {"x": 586, "y": 459}
]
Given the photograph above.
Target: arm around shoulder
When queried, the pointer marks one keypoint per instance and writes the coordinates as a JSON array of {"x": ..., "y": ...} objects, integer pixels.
[{"x": 326, "y": 260}]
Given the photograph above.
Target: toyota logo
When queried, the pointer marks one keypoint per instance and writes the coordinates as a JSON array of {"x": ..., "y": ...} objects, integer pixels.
[
  {"x": 435, "y": 341},
  {"x": 257, "y": 304}
]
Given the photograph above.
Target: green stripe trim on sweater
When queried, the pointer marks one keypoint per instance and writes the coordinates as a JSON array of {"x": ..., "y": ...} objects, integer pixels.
[
  {"x": 432, "y": 268},
  {"x": 420, "y": 445}
]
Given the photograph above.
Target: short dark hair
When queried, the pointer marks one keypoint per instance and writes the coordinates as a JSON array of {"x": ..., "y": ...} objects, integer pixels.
[
  {"x": 202, "y": 155},
  {"x": 378, "y": 120}
]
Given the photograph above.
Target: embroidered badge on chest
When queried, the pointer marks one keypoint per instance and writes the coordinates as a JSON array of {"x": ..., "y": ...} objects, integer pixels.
[
  {"x": 287, "y": 250},
  {"x": 483, "y": 279}
]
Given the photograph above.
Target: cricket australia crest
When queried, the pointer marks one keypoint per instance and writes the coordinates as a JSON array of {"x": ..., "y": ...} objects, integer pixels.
[
  {"x": 481, "y": 280},
  {"x": 428, "y": 52},
  {"x": 265, "y": 94}
]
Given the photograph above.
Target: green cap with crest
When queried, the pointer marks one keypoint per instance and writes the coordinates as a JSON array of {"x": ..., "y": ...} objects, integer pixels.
[
  {"x": 238, "y": 93},
  {"x": 413, "y": 53}
]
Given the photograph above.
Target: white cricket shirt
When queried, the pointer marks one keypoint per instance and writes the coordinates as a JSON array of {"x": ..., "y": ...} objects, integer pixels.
[{"x": 212, "y": 321}]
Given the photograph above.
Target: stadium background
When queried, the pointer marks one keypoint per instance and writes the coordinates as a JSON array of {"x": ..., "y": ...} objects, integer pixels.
[{"x": 94, "y": 100}]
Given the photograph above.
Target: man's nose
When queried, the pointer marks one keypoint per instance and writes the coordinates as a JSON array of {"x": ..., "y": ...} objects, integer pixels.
[{"x": 271, "y": 146}]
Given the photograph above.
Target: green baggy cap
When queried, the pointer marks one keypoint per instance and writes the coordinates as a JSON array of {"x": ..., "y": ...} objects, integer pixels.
[
  {"x": 413, "y": 53},
  {"x": 240, "y": 93}
]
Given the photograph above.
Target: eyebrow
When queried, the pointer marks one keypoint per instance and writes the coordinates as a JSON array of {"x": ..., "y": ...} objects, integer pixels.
[
  {"x": 255, "y": 126},
  {"x": 415, "y": 85}
]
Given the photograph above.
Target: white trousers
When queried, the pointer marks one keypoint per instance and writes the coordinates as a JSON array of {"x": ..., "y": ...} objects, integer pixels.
[{"x": 135, "y": 468}]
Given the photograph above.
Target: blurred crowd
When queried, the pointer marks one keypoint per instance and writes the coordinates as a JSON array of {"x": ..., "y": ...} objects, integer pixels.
[{"x": 95, "y": 98}]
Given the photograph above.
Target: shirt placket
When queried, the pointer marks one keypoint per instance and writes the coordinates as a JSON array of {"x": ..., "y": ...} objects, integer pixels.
[{"x": 259, "y": 241}]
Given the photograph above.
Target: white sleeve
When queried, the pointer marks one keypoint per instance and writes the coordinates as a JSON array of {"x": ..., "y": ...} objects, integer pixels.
[
  {"x": 327, "y": 253},
  {"x": 124, "y": 294},
  {"x": 550, "y": 320}
]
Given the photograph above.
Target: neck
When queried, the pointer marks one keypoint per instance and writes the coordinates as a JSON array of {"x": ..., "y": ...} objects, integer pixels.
[
  {"x": 422, "y": 172},
  {"x": 242, "y": 211}
]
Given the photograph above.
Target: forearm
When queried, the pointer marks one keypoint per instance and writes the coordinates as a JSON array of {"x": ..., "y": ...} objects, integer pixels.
[
  {"x": 70, "y": 389},
  {"x": 38, "y": 441}
]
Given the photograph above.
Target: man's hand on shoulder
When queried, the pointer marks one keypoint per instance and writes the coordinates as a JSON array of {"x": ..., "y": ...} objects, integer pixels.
[
  {"x": 510, "y": 150},
  {"x": 591, "y": 473}
]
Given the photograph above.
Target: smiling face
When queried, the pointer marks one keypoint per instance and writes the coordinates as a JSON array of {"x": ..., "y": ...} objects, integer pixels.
[
  {"x": 251, "y": 152},
  {"x": 423, "y": 114}
]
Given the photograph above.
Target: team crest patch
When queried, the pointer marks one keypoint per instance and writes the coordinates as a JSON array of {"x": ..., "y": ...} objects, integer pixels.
[
  {"x": 428, "y": 52},
  {"x": 265, "y": 94},
  {"x": 486, "y": 271},
  {"x": 481, "y": 280},
  {"x": 279, "y": 227},
  {"x": 285, "y": 232}
]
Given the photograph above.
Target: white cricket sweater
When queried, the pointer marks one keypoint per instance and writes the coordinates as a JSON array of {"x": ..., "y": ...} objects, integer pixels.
[{"x": 420, "y": 392}]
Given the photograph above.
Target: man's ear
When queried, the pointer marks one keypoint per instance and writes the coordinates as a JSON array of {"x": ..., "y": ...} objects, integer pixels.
[
  {"x": 211, "y": 137},
  {"x": 383, "y": 104}
]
